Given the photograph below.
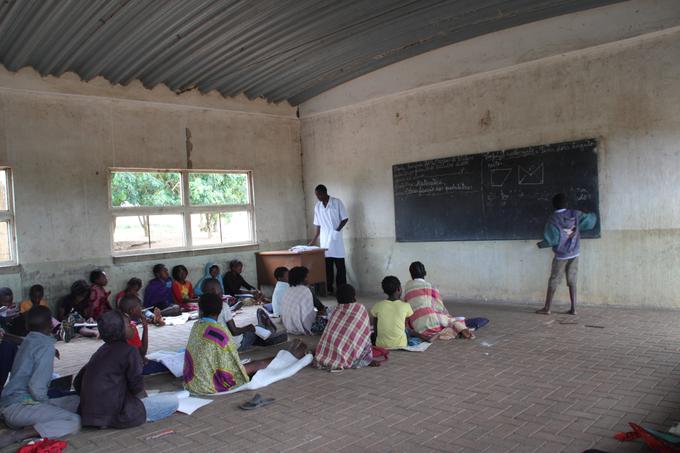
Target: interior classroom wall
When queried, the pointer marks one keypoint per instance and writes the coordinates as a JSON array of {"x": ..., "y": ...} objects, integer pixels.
[
  {"x": 626, "y": 93},
  {"x": 61, "y": 136}
]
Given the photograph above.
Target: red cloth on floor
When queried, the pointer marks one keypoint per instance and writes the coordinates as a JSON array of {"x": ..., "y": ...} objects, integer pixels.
[{"x": 44, "y": 446}]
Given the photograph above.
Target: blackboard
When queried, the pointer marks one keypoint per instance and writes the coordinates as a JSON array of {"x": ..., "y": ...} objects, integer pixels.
[{"x": 491, "y": 196}]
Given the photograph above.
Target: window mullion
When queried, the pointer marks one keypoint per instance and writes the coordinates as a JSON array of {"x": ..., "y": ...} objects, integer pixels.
[{"x": 188, "y": 240}]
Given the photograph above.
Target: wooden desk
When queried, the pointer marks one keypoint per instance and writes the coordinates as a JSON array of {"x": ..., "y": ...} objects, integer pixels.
[{"x": 314, "y": 260}]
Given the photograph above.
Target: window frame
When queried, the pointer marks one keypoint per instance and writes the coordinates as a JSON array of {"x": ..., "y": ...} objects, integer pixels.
[
  {"x": 10, "y": 217},
  {"x": 185, "y": 209}
]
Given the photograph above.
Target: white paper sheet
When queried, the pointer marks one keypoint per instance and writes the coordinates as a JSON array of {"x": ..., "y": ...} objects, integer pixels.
[
  {"x": 190, "y": 404},
  {"x": 177, "y": 320},
  {"x": 422, "y": 347},
  {"x": 174, "y": 361},
  {"x": 262, "y": 332},
  {"x": 282, "y": 367}
]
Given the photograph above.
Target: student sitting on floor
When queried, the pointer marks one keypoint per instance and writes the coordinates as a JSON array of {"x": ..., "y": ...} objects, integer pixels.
[
  {"x": 6, "y": 297},
  {"x": 131, "y": 308},
  {"x": 72, "y": 309},
  {"x": 132, "y": 288},
  {"x": 243, "y": 337},
  {"x": 111, "y": 385},
  {"x": 281, "y": 276},
  {"x": 301, "y": 312},
  {"x": 25, "y": 406},
  {"x": 134, "y": 285},
  {"x": 182, "y": 289},
  {"x": 212, "y": 272},
  {"x": 211, "y": 360},
  {"x": 235, "y": 284},
  {"x": 430, "y": 317},
  {"x": 390, "y": 316},
  {"x": 99, "y": 296},
  {"x": 35, "y": 297},
  {"x": 346, "y": 340},
  {"x": 158, "y": 292}
]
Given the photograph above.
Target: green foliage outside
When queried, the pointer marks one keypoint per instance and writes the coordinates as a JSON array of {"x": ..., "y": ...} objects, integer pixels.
[{"x": 164, "y": 189}]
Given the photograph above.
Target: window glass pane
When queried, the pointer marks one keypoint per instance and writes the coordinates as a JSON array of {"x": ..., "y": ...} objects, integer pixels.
[
  {"x": 142, "y": 188},
  {"x": 4, "y": 194},
  {"x": 218, "y": 188},
  {"x": 5, "y": 251},
  {"x": 148, "y": 232},
  {"x": 221, "y": 228}
]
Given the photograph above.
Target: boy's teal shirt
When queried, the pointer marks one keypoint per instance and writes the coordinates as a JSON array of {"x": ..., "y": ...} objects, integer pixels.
[{"x": 551, "y": 234}]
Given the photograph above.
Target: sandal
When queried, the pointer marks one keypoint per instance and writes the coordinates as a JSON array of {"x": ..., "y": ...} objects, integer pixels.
[{"x": 255, "y": 402}]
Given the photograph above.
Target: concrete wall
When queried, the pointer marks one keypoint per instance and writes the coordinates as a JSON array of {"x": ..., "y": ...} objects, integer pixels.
[
  {"x": 626, "y": 93},
  {"x": 61, "y": 136}
]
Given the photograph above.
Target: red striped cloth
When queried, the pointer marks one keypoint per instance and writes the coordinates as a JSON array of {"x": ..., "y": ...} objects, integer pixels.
[{"x": 345, "y": 339}]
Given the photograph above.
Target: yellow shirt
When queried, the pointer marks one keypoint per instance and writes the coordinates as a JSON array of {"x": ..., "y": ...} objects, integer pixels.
[
  {"x": 27, "y": 305},
  {"x": 391, "y": 316}
]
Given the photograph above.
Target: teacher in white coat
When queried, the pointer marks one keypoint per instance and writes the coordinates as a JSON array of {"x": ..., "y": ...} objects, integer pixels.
[{"x": 330, "y": 217}]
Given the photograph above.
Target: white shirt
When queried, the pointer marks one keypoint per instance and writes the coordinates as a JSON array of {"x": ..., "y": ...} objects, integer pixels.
[
  {"x": 329, "y": 218},
  {"x": 226, "y": 316},
  {"x": 279, "y": 291}
]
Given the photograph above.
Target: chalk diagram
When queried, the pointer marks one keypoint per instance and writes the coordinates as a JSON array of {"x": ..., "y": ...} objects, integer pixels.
[
  {"x": 499, "y": 176},
  {"x": 532, "y": 176}
]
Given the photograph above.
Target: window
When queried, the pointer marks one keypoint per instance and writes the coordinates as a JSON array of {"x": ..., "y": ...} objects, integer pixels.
[
  {"x": 7, "y": 249},
  {"x": 156, "y": 210}
]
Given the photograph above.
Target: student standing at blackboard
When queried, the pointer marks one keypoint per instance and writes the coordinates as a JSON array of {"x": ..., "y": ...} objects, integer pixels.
[
  {"x": 330, "y": 217},
  {"x": 563, "y": 233}
]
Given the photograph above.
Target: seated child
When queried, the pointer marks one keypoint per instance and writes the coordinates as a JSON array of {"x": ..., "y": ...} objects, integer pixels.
[
  {"x": 211, "y": 360},
  {"x": 24, "y": 403},
  {"x": 182, "y": 289},
  {"x": 158, "y": 292},
  {"x": 235, "y": 284},
  {"x": 298, "y": 306},
  {"x": 10, "y": 319},
  {"x": 132, "y": 288},
  {"x": 72, "y": 309},
  {"x": 212, "y": 272},
  {"x": 390, "y": 316},
  {"x": 346, "y": 340},
  {"x": 99, "y": 297},
  {"x": 35, "y": 297},
  {"x": 111, "y": 385},
  {"x": 430, "y": 317},
  {"x": 134, "y": 285},
  {"x": 131, "y": 308},
  {"x": 243, "y": 337},
  {"x": 281, "y": 276}
]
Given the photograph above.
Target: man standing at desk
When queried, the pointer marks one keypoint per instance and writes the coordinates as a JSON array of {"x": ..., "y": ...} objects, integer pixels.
[{"x": 330, "y": 217}]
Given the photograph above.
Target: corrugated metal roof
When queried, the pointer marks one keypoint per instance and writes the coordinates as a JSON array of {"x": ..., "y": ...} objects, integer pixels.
[{"x": 282, "y": 50}]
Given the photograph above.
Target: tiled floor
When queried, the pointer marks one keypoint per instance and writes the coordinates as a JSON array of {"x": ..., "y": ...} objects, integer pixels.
[{"x": 527, "y": 383}]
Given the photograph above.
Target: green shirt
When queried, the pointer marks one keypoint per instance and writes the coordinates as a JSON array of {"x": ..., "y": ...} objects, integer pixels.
[{"x": 391, "y": 316}]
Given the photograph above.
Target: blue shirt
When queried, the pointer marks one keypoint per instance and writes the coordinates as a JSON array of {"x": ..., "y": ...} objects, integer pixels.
[{"x": 31, "y": 372}]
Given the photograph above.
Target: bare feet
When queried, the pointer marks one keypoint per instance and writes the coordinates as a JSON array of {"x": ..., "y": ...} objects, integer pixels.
[
  {"x": 467, "y": 334},
  {"x": 570, "y": 312},
  {"x": 10, "y": 436},
  {"x": 157, "y": 318},
  {"x": 543, "y": 311},
  {"x": 298, "y": 349}
]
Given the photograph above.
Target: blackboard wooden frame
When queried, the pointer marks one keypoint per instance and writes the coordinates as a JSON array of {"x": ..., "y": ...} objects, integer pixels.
[{"x": 499, "y": 195}]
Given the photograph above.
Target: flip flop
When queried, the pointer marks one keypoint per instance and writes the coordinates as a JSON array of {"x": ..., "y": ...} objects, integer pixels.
[
  {"x": 255, "y": 402},
  {"x": 265, "y": 321}
]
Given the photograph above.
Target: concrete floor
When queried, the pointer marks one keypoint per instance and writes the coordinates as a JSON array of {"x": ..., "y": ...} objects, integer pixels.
[{"x": 527, "y": 383}]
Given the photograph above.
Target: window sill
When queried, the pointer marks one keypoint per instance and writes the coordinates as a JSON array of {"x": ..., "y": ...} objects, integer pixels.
[
  {"x": 172, "y": 254},
  {"x": 10, "y": 269}
]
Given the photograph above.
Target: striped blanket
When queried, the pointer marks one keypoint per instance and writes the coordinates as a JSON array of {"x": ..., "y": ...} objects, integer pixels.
[
  {"x": 346, "y": 341},
  {"x": 430, "y": 316}
]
